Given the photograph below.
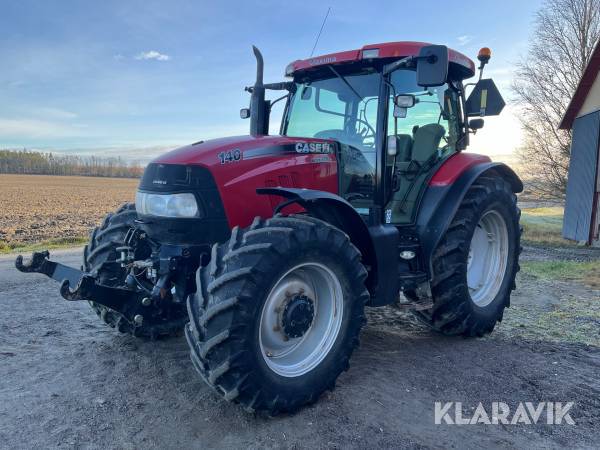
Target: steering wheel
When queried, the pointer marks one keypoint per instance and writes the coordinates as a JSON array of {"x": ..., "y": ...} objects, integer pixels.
[{"x": 366, "y": 133}]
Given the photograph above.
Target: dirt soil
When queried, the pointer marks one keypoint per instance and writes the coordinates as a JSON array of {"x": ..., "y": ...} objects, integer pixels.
[
  {"x": 39, "y": 207},
  {"x": 68, "y": 381}
]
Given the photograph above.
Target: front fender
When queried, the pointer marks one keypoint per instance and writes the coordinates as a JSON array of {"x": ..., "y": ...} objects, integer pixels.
[
  {"x": 333, "y": 209},
  {"x": 442, "y": 199},
  {"x": 378, "y": 244}
]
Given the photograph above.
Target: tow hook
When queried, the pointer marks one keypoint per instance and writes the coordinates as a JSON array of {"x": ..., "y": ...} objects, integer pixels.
[{"x": 76, "y": 285}]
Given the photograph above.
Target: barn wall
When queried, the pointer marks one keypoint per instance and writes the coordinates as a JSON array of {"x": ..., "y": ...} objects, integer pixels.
[
  {"x": 581, "y": 185},
  {"x": 592, "y": 101}
]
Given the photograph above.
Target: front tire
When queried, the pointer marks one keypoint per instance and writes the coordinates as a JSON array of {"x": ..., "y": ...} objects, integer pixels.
[
  {"x": 278, "y": 313},
  {"x": 100, "y": 259},
  {"x": 476, "y": 262}
]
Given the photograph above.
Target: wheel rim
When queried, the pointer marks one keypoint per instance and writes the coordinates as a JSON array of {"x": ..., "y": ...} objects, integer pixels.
[
  {"x": 488, "y": 258},
  {"x": 297, "y": 355}
]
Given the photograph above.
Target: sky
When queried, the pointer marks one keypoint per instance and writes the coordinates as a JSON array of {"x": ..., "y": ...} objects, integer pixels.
[{"x": 134, "y": 78}]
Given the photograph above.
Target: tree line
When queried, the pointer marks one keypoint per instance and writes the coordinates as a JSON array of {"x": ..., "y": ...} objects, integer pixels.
[{"x": 38, "y": 163}]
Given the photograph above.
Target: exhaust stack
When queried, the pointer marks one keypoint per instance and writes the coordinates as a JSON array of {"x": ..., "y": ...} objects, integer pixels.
[{"x": 259, "y": 108}]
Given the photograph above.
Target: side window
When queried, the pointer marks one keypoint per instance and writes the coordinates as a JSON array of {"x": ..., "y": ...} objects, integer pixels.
[{"x": 434, "y": 106}]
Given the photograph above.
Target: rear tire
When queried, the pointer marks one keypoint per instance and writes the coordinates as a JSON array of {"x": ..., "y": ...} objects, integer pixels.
[
  {"x": 472, "y": 280},
  {"x": 243, "y": 343},
  {"x": 99, "y": 259}
]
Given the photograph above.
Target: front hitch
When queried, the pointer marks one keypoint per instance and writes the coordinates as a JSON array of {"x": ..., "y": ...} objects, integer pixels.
[
  {"x": 85, "y": 286},
  {"x": 40, "y": 263}
]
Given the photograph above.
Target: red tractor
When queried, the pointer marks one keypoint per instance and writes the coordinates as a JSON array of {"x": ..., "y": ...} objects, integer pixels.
[{"x": 277, "y": 243}]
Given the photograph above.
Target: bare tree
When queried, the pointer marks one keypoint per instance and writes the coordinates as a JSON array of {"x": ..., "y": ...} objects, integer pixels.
[{"x": 562, "y": 42}]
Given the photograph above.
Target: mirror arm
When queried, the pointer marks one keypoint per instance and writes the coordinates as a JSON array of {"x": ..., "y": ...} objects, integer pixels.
[
  {"x": 278, "y": 99},
  {"x": 409, "y": 61},
  {"x": 404, "y": 62},
  {"x": 283, "y": 86}
]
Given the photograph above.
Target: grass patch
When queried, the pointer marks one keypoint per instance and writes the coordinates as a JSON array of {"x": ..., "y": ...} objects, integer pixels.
[
  {"x": 49, "y": 244},
  {"x": 588, "y": 272},
  {"x": 543, "y": 226},
  {"x": 573, "y": 320}
]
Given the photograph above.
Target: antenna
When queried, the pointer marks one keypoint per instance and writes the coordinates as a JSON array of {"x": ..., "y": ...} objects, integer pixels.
[{"x": 320, "y": 31}]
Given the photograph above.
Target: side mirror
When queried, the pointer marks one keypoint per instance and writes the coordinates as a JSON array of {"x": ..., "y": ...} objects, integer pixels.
[
  {"x": 401, "y": 104},
  {"x": 405, "y": 100},
  {"x": 476, "y": 124},
  {"x": 245, "y": 113},
  {"x": 432, "y": 66}
]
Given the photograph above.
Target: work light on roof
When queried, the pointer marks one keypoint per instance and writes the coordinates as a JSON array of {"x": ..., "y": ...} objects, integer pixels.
[{"x": 370, "y": 53}]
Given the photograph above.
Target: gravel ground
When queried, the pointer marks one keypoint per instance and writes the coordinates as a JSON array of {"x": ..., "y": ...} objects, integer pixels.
[
  {"x": 578, "y": 254},
  {"x": 68, "y": 381}
]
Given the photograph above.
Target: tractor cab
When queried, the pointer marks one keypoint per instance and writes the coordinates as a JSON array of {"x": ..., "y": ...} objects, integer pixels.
[{"x": 396, "y": 111}]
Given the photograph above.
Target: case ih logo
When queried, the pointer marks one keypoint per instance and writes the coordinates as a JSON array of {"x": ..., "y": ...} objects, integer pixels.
[{"x": 314, "y": 147}]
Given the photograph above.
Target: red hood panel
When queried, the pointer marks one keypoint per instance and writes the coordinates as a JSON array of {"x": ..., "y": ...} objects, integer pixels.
[
  {"x": 241, "y": 164},
  {"x": 205, "y": 153}
]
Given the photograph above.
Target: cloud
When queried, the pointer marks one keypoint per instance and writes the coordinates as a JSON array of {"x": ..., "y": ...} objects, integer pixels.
[
  {"x": 152, "y": 54},
  {"x": 464, "y": 40},
  {"x": 33, "y": 128}
]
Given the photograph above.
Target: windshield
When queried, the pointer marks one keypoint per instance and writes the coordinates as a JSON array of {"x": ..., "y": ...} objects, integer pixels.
[
  {"x": 344, "y": 109},
  {"x": 339, "y": 108}
]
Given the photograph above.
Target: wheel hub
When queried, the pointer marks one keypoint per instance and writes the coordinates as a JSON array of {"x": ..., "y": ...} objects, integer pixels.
[
  {"x": 301, "y": 319},
  {"x": 298, "y": 316},
  {"x": 488, "y": 258}
]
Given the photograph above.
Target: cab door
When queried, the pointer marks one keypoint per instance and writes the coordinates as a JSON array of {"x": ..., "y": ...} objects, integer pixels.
[{"x": 425, "y": 135}]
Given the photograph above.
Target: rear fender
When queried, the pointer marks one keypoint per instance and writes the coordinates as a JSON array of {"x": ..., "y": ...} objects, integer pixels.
[
  {"x": 377, "y": 244},
  {"x": 443, "y": 198}
]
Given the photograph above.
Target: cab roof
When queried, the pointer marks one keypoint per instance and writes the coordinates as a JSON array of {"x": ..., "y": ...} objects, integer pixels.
[{"x": 461, "y": 66}]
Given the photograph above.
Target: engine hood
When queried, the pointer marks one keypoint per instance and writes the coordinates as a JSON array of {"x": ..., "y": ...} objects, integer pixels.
[
  {"x": 236, "y": 149},
  {"x": 237, "y": 166}
]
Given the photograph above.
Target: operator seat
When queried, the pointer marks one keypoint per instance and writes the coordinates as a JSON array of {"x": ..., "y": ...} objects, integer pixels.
[
  {"x": 411, "y": 171},
  {"x": 427, "y": 141}
]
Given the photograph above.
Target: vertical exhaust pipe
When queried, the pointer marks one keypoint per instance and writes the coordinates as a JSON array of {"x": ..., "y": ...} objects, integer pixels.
[{"x": 259, "y": 108}]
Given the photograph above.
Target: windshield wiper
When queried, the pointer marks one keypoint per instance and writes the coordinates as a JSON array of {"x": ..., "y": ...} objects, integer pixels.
[{"x": 345, "y": 82}]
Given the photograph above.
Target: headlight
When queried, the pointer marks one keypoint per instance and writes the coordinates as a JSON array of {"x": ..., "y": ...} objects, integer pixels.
[{"x": 166, "y": 205}]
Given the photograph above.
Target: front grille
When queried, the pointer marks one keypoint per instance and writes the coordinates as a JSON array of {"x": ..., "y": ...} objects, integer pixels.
[
  {"x": 175, "y": 177},
  {"x": 172, "y": 178}
]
